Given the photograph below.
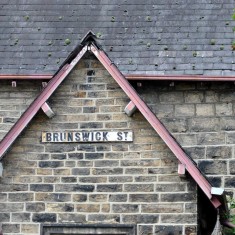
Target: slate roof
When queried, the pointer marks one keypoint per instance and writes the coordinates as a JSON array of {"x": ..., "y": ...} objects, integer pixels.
[{"x": 141, "y": 37}]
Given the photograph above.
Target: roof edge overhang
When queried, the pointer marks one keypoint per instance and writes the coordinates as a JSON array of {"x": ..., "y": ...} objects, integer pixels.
[
  {"x": 89, "y": 44},
  {"x": 131, "y": 77}
]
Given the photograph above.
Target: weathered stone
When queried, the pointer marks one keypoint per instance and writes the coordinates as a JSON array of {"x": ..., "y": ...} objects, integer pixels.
[
  {"x": 195, "y": 152},
  {"x": 146, "y": 229},
  {"x": 118, "y": 197},
  {"x": 138, "y": 187},
  {"x": 41, "y": 187},
  {"x": 11, "y": 207},
  {"x": 107, "y": 171},
  {"x": 79, "y": 197},
  {"x": 190, "y": 230},
  {"x": 125, "y": 208},
  {"x": 216, "y": 152},
  {"x": 11, "y": 228},
  {"x": 81, "y": 171},
  {"x": 51, "y": 164},
  {"x": 205, "y": 110},
  {"x": 232, "y": 167},
  {"x": 59, "y": 207},
  {"x": 35, "y": 206},
  {"x": 98, "y": 197},
  {"x": 138, "y": 218},
  {"x": 109, "y": 188},
  {"x": 168, "y": 229},
  {"x": 216, "y": 181},
  {"x": 30, "y": 228},
  {"x": 142, "y": 197},
  {"x": 44, "y": 217},
  {"x": 184, "y": 110},
  {"x": 162, "y": 208},
  {"x": 5, "y": 217},
  {"x": 71, "y": 218},
  {"x": 50, "y": 197},
  {"x": 204, "y": 124},
  {"x": 20, "y": 217},
  {"x": 179, "y": 218},
  {"x": 178, "y": 197},
  {"x": 213, "y": 167},
  {"x": 104, "y": 218},
  {"x": 20, "y": 197},
  {"x": 88, "y": 208},
  {"x": 74, "y": 188}
]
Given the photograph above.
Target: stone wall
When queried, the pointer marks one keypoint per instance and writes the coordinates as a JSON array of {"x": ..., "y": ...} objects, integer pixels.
[
  {"x": 200, "y": 115},
  {"x": 114, "y": 183}
]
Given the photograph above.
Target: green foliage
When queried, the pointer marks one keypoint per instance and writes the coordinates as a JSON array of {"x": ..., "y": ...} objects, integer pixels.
[
  {"x": 194, "y": 54},
  {"x": 26, "y": 17},
  {"x": 231, "y": 205},
  {"x": 148, "y": 18},
  {"x": 233, "y": 16},
  {"x": 98, "y": 35},
  {"x": 212, "y": 42},
  {"x": 67, "y": 41}
]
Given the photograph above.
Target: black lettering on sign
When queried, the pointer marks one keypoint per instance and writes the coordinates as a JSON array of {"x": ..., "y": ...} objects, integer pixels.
[
  {"x": 85, "y": 136},
  {"x": 125, "y": 133},
  {"x": 48, "y": 137},
  {"x": 98, "y": 136},
  {"x": 55, "y": 137},
  {"x": 62, "y": 136},
  {"x": 119, "y": 136},
  {"x": 70, "y": 136},
  {"x": 105, "y": 138},
  {"x": 77, "y": 136}
]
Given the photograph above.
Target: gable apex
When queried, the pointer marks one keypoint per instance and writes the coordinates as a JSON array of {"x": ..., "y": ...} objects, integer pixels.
[{"x": 68, "y": 65}]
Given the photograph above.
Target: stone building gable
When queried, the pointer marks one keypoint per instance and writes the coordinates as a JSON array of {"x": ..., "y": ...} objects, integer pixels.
[{"x": 128, "y": 183}]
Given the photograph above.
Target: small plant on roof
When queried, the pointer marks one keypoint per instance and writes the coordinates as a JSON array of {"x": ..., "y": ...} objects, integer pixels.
[
  {"x": 67, "y": 41},
  {"x": 194, "y": 54},
  {"x": 130, "y": 61},
  {"x": 26, "y": 17},
  {"x": 49, "y": 54},
  {"x": 16, "y": 41},
  {"x": 165, "y": 48},
  {"x": 50, "y": 43},
  {"x": 212, "y": 42},
  {"x": 113, "y": 19},
  {"x": 233, "y": 45},
  {"x": 148, "y": 45},
  {"x": 233, "y": 15},
  {"x": 98, "y": 35},
  {"x": 60, "y": 17},
  {"x": 148, "y": 18},
  {"x": 221, "y": 47}
]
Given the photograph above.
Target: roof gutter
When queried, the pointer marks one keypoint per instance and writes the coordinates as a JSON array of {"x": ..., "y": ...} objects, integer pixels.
[
  {"x": 25, "y": 77},
  {"x": 139, "y": 77},
  {"x": 130, "y": 77}
]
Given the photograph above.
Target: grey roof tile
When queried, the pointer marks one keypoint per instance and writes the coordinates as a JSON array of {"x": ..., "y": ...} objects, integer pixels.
[{"x": 151, "y": 37}]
